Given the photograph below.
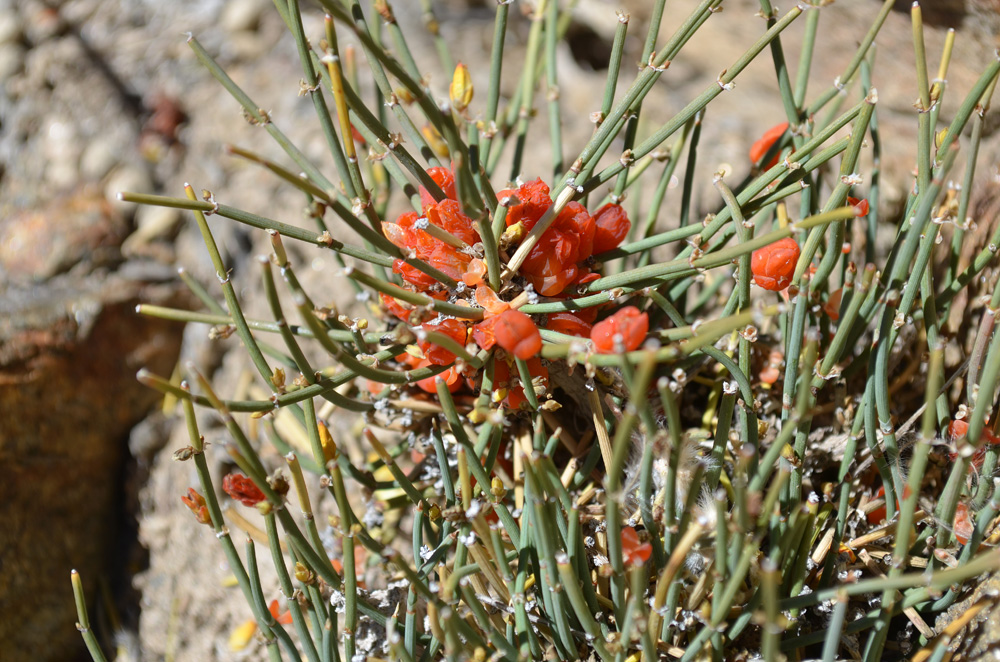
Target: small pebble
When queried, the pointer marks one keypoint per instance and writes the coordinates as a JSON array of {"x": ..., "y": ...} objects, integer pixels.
[
  {"x": 11, "y": 29},
  {"x": 61, "y": 151},
  {"x": 11, "y": 60},
  {"x": 242, "y": 15},
  {"x": 99, "y": 157},
  {"x": 127, "y": 177},
  {"x": 151, "y": 224}
]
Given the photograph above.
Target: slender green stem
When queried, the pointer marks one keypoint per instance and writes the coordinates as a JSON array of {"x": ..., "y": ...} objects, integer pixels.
[{"x": 83, "y": 622}]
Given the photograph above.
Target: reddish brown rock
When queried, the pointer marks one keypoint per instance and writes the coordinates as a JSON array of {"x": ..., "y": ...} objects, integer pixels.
[
  {"x": 41, "y": 242},
  {"x": 69, "y": 351}
]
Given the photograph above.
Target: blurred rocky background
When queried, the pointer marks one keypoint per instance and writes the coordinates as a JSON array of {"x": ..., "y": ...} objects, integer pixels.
[{"x": 98, "y": 97}]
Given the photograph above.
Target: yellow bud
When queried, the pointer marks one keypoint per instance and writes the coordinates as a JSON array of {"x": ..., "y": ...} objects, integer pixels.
[
  {"x": 278, "y": 378},
  {"x": 326, "y": 441},
  {"x": 496, "y": 488},
  {"x": 939, "y": 138},
  {"x": 404, "y": 95},
  {"x": 499, "y": 395},
  {"x": 461, "y": 88},
  {"x": 434, "y": 512},
  {"x": 605, "y": 377},
  {"x": 241, "y": 636},
  {"x": 512, "y": 235},
  {"x": 434, "y": 139},
  {"x": 304, "y": 574},
  {"x": 379, "y": 174},
  {"x": 362, "y": 324}
]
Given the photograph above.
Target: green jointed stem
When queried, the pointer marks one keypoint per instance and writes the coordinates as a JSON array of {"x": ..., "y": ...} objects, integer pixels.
[
  {"x": 699, "y": 103},
  {"x": 493, "y": 95},
  {"x": 218, "y": 523},
  {"x": 257, "y": 116},
  {"x": 841, "y": 81},
  {"x": 611, "y": 124},
  {"x": 354, "y": 184},
  {"x": 925, "y": 129},
  {"x": 463, "y": 312},
  {"x": 615, "y": 64},
  {"x": 256, "y": 325},
  {"x": 83, "y": 622},
  {"x": 552, "y": 79},
  {"x": 354, "y": 19},
  {"x": 527, "y": 85}
]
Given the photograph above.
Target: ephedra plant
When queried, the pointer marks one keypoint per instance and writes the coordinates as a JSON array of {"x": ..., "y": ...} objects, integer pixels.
[{"x": 587, "y": 452}]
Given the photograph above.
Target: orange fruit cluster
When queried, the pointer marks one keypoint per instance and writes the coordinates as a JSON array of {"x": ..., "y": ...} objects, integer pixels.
[
  {"x": 556, "y": 267},
  {"x": 554, "y": 264}
]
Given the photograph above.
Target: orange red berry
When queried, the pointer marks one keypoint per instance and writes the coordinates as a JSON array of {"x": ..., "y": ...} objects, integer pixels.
[
  {"x": 832, "y": 305},
  {"x": 574, "y": 236},
  {"x": 436, "y": 354},
  {"x": 568, "y": 323},
  {"x": 282, "y": 618},
  {"x": 491, "y": 303},
  {"x": 502, "y": 379},
  {"x": 474, "y": 275},
  {"x": 773, "y": 266},
  {"x": 877, "y": 515},
  {"x": 451, "y": 378},
  {"x": 444, "y": 178},
  {"x": 532, "y": 201},
  {"x": 772, "y": 371},
  {"x": 623, "y": 331},
  {"x": 957, "y": 429},
  {"x": 516, "y": 333},
  {"x": 612, "y": 227},
  {"x": 766, "y": 141},
  {"x": 962, "y": 525},
  {"x": 634, "y": 553},
  {"x": 860, "y": 206}
]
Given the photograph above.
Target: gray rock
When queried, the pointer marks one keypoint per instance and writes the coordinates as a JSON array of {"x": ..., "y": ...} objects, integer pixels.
[
  {"x": 130, "y": 177},
  {"x": 242, "y": 15},
  {"x": 11, "y": 27},
  {"x": 11, "y": 60},
  {"x": 99, "y": 157},
  {"x": 61, "y": 149}
]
